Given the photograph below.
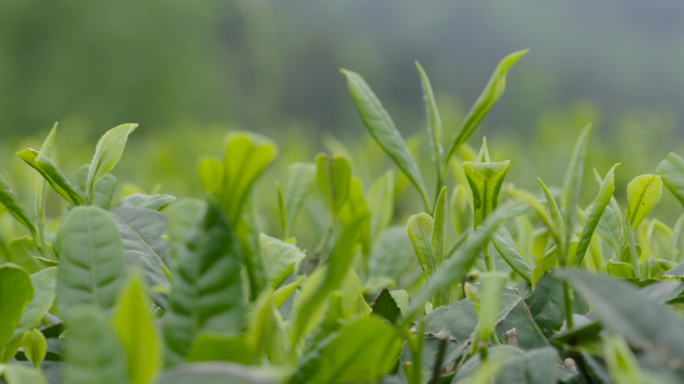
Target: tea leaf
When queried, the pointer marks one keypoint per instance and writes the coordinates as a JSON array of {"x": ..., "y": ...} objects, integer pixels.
[
  {"x": 202, "y": 373},
  {"x": 643, "y": 193},
  {"x": 183, "y": 217},
  {"x": 434, "y": 121},
  {"x": 490, "y": 298},
  {"x": 363, "y": 351},
  {"x": 109, "y": 149},
  {"x": 300, "y": 178},
  {"x": 386, "y": 307},
  {"x": 18, "y": 374},
  {"x": 94, "y": 352},
  {"x": 246, "y": 157},
  {"x": 40, "y": 189},
  {"x": 620, "y": 270},
  {"x": 90, "y": 271},
  {"x": 15, "y": 294},
  {"x": 506, "y": 246},
  {"x": 572, "y": 181},
  {"x": 381, "y": 204},
  {"x": 597, "y": 208},
  {"x": 671, "y": 170},
  {"x": 206, "y": 293},
  {"x": 419, "y": 229},
  {"x": 52, "y": 174},
  {"x": 104, "y": 190},
  {"x": 14, "y": 207},
  {"x": 35, "y": 347},
  {"x": 622, "y": 364},
  {"x": 24, "y": 252},
  {"x": 154, "y": 202},
  {"x": 489, "y": 96},
  {"x": 439, "y": 228},
  {"x": 280, "y": 259},
  {"x": 44, "y": 284},
  {"x": 461, "y": 212},
  {"x": 554, "y": 212},
  {"x": 137, "y": 332},
  {"x": 333, "y": 178},
  {"x": 381, "y": 127},
  {"x": 211, "y": 173},
  {"x": 673, "y": 249},
  {"x": 283, "y": 293},
  {"x": 485, "y": 181}
]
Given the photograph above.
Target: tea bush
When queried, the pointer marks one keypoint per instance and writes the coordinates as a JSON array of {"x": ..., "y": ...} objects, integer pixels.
[{"x": 490, "y": 283}]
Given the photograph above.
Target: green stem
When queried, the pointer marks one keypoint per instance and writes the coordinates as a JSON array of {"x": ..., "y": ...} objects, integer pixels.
[
  {"x": 488, "y": 258},
  {"x": 567, "y": 298}
]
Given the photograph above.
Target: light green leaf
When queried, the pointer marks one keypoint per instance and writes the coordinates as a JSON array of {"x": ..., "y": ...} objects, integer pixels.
[
  {"x": 18, "y": 374},
  {"x": 137, "y": 332},
  {"x": 622, "y": 364},
  {"x": 41, "y": 163},
  {"x": 620, "y": 270},
  {"x": 483, "y": 155},
  {"x": 211, "y": 174},
  {"x": 141, "y": 231},
  {"x": 44, "y": 283},
  {"x": 246, "y": 157},
  {"x": 597, "y": 208},
  {"x": 490, "y": 303},
  {"x": 14, "y": 207},
  {"x": 506, "y": 246},
  {"x": 528, "y": 198},
  {"x": 35, "y": 347},
  {"x": 572, "y": 181},
  {"x": 381, "y": 127},
  {"x": 554, "y": 212},
  {"x": 40, "y": 189},
  {"x": 434, "y": 121},
  {"x": 489, "y": 96},
  {"x": 610, "y": 230},
  {"x": 260, "y": 322},
  {"x": 439, "y": 228},
  {"x": 461, "y": 212},
  {"x": 109, "y": 149},
  {"x": 15, "y": 294},
  {"x": 666, "y": 265},
  {"x": 300, "y": 178},
  {"x": 485, "y": 180},
  {"x": 104, "y": 190},
  {"x": 206, "y": 292},
  {"x": 363, "y": 351},
  {"x": 632, "y": 250},
  {"x": 333, "y": 179},
  {"x": 281, "y": 294},
  {"x": 673, "y": 249},
  {"x": 392, "y": 254},
  {"x": 211, "y": 346},
  {"x": 672, "y": 172},
  {"x": 643, "y": 193},
  {"x": 155, "y": 202},
  {"x": 419, "y": 229},
  {"x": 280, "y": 258},
  {"x": 91, "y": 260},
  {"x": 93, "y": 351}
]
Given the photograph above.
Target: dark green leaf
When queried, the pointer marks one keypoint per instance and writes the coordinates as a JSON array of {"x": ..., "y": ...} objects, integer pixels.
[
  {"x": 183, "y": 216},
  {"x": 460, "y": 319},
  {"x": 14, "y": 207},
  {"x": 386, "y": 307},
  {"x": 15, "y": 293}
]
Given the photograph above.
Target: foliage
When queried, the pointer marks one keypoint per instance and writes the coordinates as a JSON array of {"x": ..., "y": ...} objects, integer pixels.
[{"x": 143, "y": 288}]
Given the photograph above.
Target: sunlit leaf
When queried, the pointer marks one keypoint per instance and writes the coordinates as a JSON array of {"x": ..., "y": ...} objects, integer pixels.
[
  {"x": 485, "y": 181},
  {"x": 41, "y": 163},
  {"x": 109, "y": 149},
  {"x": 643, "y": 193}
]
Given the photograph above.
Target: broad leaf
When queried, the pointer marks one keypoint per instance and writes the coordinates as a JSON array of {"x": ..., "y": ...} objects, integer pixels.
[
  {"x": 485, "y": 180},
  {"x": 279, "y": 258},
  {"x": 643, "y": 193},
  {"x": 91, "y": 260},
  {"x": 392, "y": 255},
  {"x": 620, "y": 270},
  {"x": 24, "y": 252},
  {"x": 381, "y": 127},
  {"x": 489, "y": 96},
  {"x": 155, "y": 202},
  {"x": 141, "y": 231},
  {"x": 44, "y": 284},
  {"x": 109, "y": 149},
  {"x": 183, "y": 216},
  {"x": 15, "y": 293},
  {"x": 94, "y": 352},
  {"x": 41, "y": 163},
  {"x": 671, "y": 170},
  {"x": 206, "y": 291},
  {"x": 137, "y": 332},
  {"x": 386, "y": 307},
  {"x": 459, "y": 318},
  {"x": 363, "y": 351}
]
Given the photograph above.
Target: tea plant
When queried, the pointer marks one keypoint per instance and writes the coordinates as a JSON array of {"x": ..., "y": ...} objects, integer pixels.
[{"x": 491, "y": 283}]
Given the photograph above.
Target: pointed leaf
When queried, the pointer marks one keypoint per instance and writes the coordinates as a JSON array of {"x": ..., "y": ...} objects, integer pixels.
[
  {"x": 40, "y": 188},
  {"x": 386, "y": 307},
  {"x": 91, "y": 260},
  {"x": 572, "y": 181},
  {"x": 104, "y": 190},
  {"x": 109, "y": 149},
  {"x": 506, "y": 246},
  {"x": 439, "y": 228},
  {"x": 300, "y": 178},
  {"x": 41, "y": 163},
  {"x": 489, "y": 96},
  {"x": 14, "y": 207},
  {"x": 419, "y": 229},
  {"x": 485, "y": 180},
  {"x": 434, "y": 121},
  {"x": 333, "y": 177},
  {"x": 381, "y": 127},
  {"x": 643, "y": 193},
  {"x": 554, "y": 212},
  {"x": 15, "y": 294}
]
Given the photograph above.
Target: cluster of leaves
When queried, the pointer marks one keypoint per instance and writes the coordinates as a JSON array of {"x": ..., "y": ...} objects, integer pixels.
[{"x": 494, "y": 284}]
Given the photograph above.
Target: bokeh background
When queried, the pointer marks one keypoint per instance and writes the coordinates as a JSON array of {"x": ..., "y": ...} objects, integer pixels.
[{"x": 190, "y": 71}]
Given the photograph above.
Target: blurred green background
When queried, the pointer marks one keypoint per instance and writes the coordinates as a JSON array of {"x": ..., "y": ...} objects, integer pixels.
[{"x": 189, "y": 71}]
